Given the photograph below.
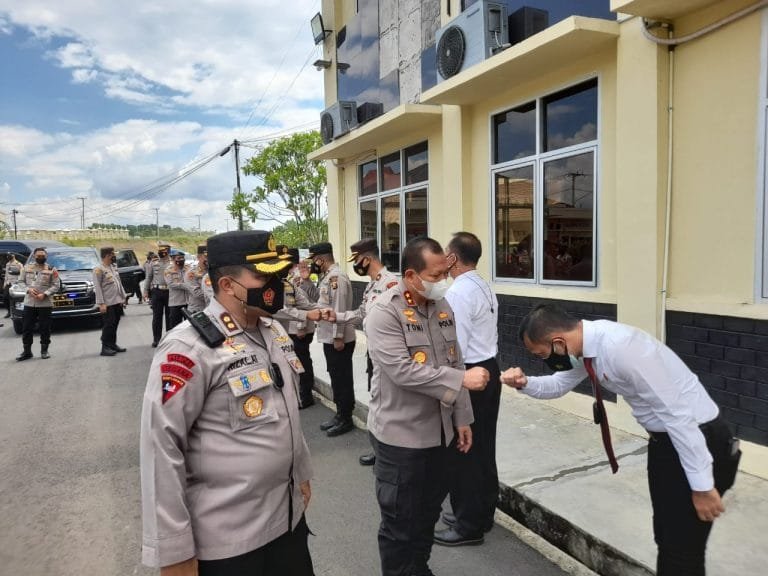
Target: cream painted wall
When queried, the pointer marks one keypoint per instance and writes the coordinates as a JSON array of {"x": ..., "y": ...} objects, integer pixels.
[{"x": 715, "y": 170}]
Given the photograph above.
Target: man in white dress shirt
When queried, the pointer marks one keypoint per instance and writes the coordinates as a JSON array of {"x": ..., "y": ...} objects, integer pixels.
[
  {"x": 474, "y": 478},
  {"x": 692, "y": 457}
]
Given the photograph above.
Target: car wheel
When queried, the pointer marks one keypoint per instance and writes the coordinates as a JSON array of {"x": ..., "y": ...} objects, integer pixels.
[{"x": 18, "y": 326}]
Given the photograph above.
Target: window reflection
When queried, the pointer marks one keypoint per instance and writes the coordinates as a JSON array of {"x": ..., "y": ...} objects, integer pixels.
[
  {"x": 570, "y": 116},
  {"x": 569, "y": 194},
  {"x": 416, "y": 164},
  {"x": 514, "y": 133},
  {"x": 514, "y": 222},
  {"x": 369, "y": 219},
  {"x": 390, "y": 232},
  {"x": 415, "y": 214},
  {"x": 368, "y": 177},
  {"x": 390, "y": 171}
]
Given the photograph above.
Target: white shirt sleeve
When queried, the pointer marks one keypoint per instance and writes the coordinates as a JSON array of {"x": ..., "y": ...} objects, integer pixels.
[{"x": 556, "y": 385}]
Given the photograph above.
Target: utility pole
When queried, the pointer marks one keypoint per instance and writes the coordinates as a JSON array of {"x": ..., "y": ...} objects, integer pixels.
[
  {"x": 236, "y": 198},
  {"x": 82, "y": 212},
  {"x": 199, "y": 230},
  {"x": 13, "y": 215},
  {"x": 157, "y": 223}
]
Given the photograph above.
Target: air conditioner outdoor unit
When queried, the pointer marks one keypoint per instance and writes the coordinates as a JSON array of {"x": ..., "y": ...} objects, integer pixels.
[
  {"x": 478, "y": 33},
  {"x": 337, "y": 120},
  {"x": 526, "y": 22},
  {"x": 367, "y": 111}
]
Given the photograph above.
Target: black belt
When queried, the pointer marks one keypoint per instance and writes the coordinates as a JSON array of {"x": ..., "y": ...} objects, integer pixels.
[
  {"x": 483, "y": 363},
  {"x": 664, "y": 436}
]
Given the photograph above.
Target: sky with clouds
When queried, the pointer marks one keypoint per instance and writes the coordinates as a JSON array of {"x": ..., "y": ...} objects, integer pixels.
[{"x": 113, "y": 102}]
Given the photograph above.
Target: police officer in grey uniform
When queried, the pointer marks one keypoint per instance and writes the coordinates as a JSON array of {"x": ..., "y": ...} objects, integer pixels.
[
  {"x": 338, "y": 339},
  {"x": 40, "y": 281},
  {"x": 225, "y": 469},
  {"x": 194, "y": 279},
  {"x": 12, "y": 272},
  {"x": 178, "y": 289},
  {"x": 110, "y": 298},
  {"x": 419, "y": 407},
  {"x": 365, "y": 255},
  {"x": 156, "y": 291}
]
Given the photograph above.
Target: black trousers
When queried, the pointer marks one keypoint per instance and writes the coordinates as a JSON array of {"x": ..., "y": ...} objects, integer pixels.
[
  {"x": 474, "y": 478},
  {"x": 287, "y": 555},
  {"x": 410, "y": 487},
  {"x": 175, "y": 317},
  {"x": 110, "y": 321},
  {"x": 43, "y": 318},
  {"x": 339, "y": 364},
  {"x": 306, "y": 380},
  {"x": 159, "y": 299},
  {"x": 680, "y": 536},
  {"x": 7, "y": 291}
]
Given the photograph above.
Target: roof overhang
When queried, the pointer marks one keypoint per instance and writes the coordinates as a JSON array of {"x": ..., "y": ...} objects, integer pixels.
[
  {"x": 405, "y": 119},
  {"x": 557, "y": 46},
  {"x": 659, "y": 9}
]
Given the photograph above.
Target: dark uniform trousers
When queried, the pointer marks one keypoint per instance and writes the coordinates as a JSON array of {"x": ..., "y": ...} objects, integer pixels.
[
  {"x": 175, "y": 317},
  {"x": 110, "y": 321},
  {"x": 410, "y": 488},
  {"x": 474, "y": 478},
  {"x": 339, "y": 364},
  {"x": 7, "y": 294},
  {"x": 307, "y": 379},
  {"x": 43, "y": 318},
  {"x": 287, "y": 555},
  {"x": 159, "y": 299},
  {"x": 680, "y": 536}
]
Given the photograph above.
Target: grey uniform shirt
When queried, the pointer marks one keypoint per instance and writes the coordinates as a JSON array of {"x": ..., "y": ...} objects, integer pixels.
[
  {"x": 336, "y": 293},
  {"x": 156, "y": 274},
  {"x": 12, "y": 272},
  {"x": 221, "y": 449},
  {"x": 207, "y": 288},
  {"x": 178, "y": 290},
  {"x": 293, "y": 316},
  {"x": 384, "y": 281},
  {"x": 194, "y": 279},
  {"x": 43, "y": 278},
  {"x": 416, "y": 387},
  {"x": 107, "y": 285}
]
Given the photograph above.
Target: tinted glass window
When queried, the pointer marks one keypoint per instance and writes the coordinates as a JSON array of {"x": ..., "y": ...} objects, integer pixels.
[
  {"x": 368, "y": 176},
  {"x": 416, "y": 214},
  {"x": 126, "y": 258},
  {"x": 85, "y": 260},
  {"x": 570, "y": 116},
  {"x": 390, "y": 172},
  {"x": 390, "y": 232},
  {"x": 417, "y": 164},
  {"x": 514, "y": 223},
  {"x": 514, "y": 133},
  {"x": 368, "y": 219}
]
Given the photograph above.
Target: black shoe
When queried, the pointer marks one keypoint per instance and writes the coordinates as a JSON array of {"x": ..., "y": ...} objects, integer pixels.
[
  {"x": 154, "y": 344},
  {"x": 449, "y": 519},
  {"x": 116, "y": 348},
  {"x": 450, "y": 537},
  {"x": 44, "y": 354},
  {"x": 106, "y": 351},
  {"x": 367, "y": 459},
  {"x": 26, "y": 355},
  {"x": 341, "y": 428},
  {"x": 335, "y": 421},
  {"x": 306, "y": 403}
]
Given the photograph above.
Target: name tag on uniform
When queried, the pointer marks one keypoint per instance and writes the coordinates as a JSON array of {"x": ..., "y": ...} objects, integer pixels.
[{"x": 250, "y": 381}]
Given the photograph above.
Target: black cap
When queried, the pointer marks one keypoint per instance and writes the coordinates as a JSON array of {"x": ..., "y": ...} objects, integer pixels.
[
  {"x": 250, "y": 248},
  {"x": 202, "y": 249},
  {"x": 320, "y": 248},
  {"x": 290, "y": 254},
  {"x": 364, "y": 246}
]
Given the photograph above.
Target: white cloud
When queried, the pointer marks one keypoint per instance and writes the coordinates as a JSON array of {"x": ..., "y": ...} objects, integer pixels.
[{"x": 83, "y": 75}]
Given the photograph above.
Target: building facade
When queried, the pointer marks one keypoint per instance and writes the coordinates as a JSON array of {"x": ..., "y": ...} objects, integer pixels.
[{"x": 610, "y": 154}]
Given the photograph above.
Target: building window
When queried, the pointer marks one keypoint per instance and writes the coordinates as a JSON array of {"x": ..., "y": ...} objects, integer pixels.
[
  {"x": 544, "y": 188},
  {"x": 393, "y": 200}
]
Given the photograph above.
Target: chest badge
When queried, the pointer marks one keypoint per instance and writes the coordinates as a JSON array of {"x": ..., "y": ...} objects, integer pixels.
[
  {"x": 253, "y": 406},
  {"x": 420, "y": 357},
  {"x": 443, "y": 315}
]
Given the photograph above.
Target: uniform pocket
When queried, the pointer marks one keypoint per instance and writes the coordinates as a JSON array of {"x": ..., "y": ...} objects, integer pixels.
[
  {"x": 252, "y": 411},
  {"x": 387, "y": 489}
]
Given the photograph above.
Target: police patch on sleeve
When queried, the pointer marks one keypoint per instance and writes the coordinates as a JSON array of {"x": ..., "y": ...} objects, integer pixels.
[{"x": 171, "y": 385}]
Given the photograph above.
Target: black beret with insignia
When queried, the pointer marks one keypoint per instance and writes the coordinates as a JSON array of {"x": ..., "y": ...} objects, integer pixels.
[
  {"x": 249, "y": 248},
  {"x": 202, "y": 249},
  {"x": 364, "y": 246},
  {"x": 320, "y": 249}
]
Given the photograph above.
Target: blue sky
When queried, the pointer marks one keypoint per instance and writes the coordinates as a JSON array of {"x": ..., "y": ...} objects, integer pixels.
[{"x": 105, "y": 102}]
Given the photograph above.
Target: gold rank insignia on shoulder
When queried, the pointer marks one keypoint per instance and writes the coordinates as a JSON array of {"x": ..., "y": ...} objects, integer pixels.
[
  {"x": 408, "y": 312},
  {"x": 229, "y": 323},
  {"x": 409, "y": 298},
  {"x": 252, "y": 406},
  {"x": 420, "y": 357},
  {"x": 443, "y": 315}
]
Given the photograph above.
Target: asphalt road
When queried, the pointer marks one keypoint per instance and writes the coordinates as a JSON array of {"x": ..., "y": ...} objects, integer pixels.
[{"x": 69, "y": 476}]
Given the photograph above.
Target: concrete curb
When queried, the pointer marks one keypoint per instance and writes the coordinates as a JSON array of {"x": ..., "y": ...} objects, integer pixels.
[{"x": 593, "y": 554}]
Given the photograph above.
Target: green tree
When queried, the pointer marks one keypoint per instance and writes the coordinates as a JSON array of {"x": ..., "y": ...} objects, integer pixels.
[
  {"x": 293, "y": 189},
  {"x": 301, "y": 235}
]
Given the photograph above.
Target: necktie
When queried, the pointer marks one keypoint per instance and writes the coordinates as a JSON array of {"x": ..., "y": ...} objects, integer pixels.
[{"x": 600, "y": 416}]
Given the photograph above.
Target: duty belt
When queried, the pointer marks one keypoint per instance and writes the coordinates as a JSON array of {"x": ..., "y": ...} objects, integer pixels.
[{"x": 160, "y": 286}]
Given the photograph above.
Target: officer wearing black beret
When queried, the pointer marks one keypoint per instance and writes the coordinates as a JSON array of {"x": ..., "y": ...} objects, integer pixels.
[{"x": 225, "y": 469}]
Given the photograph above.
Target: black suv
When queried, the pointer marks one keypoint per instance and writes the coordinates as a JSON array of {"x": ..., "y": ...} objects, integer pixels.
[
  {"x": 76, "y": 297},
  {"x": 131, "y": 271}
]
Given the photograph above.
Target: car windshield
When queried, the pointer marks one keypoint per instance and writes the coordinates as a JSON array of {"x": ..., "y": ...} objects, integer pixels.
[
  {"x": 80, "y": 260},
  {"x": 126, "y": 258}
]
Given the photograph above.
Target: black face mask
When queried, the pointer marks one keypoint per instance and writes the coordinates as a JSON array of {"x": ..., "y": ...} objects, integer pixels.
[
  {"x": 269, "y": 297},
  {"x": 362, "y": 269},
  {"x": 40, "y": 260},
  {"x": 162, "y": 254},
  {"x": 315, "y": 268},
  {"x": 113, "y": 258},
  {"x": 559, "y": 362},
  {"x": 179, "y": 263}
]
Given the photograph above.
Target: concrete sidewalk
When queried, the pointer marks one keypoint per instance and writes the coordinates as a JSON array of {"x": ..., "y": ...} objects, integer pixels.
[{"x": 554, "y": 479}]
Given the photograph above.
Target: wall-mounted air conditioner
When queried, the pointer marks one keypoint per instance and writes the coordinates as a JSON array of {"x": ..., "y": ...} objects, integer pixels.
[
  {"x": 337, "y": 120},
  {"x": 474, "y": 35}
]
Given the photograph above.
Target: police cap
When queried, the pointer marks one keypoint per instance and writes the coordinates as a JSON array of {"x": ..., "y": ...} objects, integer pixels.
[
  {"x": 249, "y": 248},
  {"x": 161, "y": 245},
  {"x": 290, "y": 254},
  {"x": 364, "y": 246},
  {"x": 202, "y": 249},
  {"x": 320, "y": 249}
]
